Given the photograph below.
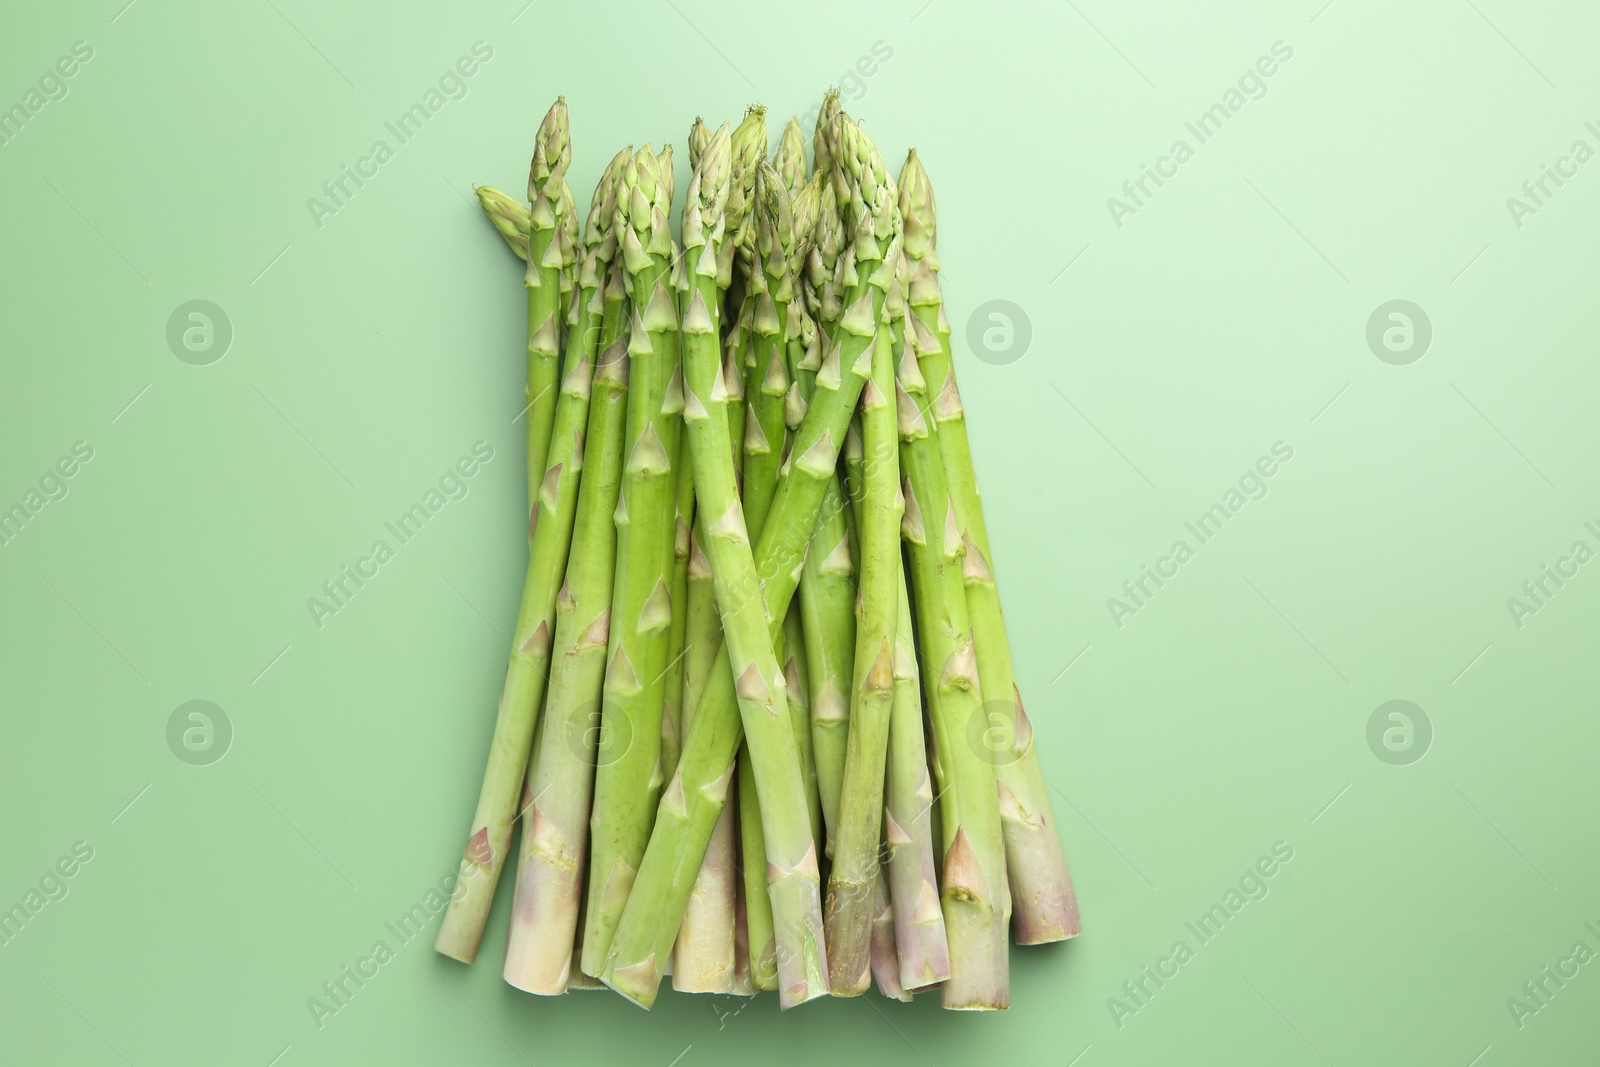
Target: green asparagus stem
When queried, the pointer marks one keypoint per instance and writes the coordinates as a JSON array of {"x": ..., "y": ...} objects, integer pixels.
[
  {"x": 771, "y": 289},
  {"x": 704, "y": 954},
  {"x": 1044, "y": 905},
  {"x": 703, "y": 637},
  {"x": 920, "y": 943},
  {"x": 799, "y": 692},
  {"x": 677, "y": 645},
  {"x": 854, "y": 876},
  {"x": 683, "y": 826},
  {"x": 735, "y": 353},
  {"x": 908, "y": 822},
  {"x": 975, "y": 898},
  {"x": 827, "y": 603},
  {"x": 489, "y": 838},
  {"x": 761, "y": 945},
  {"x": 827, "y": 583},
  {"x": 627, "y": 788},
  {"x": 546, "y": 906},
  {"x": 702, "y": 628}
]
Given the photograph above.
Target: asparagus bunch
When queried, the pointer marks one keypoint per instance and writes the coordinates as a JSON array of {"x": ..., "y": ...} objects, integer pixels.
[{"x": 757, "y": 556}]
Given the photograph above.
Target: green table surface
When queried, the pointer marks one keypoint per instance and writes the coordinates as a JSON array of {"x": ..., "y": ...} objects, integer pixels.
[{"x": 1134, "y": 354}]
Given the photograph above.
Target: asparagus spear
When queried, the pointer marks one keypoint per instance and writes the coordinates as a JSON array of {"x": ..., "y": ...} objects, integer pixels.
[
  {"x": 771, "y": 288},
  {"x": 627, "y": 788},
  {"x": 706, "y": 937},
  {"x": 489, "y": 837},
  {"x": 802, "y": 350},
  {"x": 920, "y": 943},
  {"x": 827, "y": 584},
  {"x": 704, "y": 957},
  {"x": 854, "y": 876},
  {"x": 1044, "y": 906},
  {"x": 827, "y": 599},
  {"x": 678, "y": 842},
  {"x": 827, "y": 576},
  {"x": 975, "y": 897},
  {"x": 760, "y": 936},
  {"x": 546, "y": 906}
]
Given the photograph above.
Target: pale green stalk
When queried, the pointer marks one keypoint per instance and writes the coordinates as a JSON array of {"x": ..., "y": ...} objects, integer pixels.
[
  {"x": 627, "y": 789},
  {"x": 760, "y": 937},
  {"x": 827, "y": 585},
  {"x": 974, "y": 895},
  {"x": 908, "y": 790},
  {"x": 548, "y": 902},
  {"x": 854, "y": 875},
  {"x": 702, "y": 628},
  {"x": 799, "y": 692},
  {"x": 704, "y": 957},
  {"x": 1044, "y": 906},
  {"x": 489, "y": 836},
  {"x": 704, "y": 954},
  {"x": 677, "y": 645},
  {"x": 702, "y": 639},
  {"x": 827, "y": 609},
  {"x": 771, "y": 288}
]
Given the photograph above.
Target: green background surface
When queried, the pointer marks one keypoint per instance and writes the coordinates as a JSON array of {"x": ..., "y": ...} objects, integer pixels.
[{"x": 1227, "y": 313}]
